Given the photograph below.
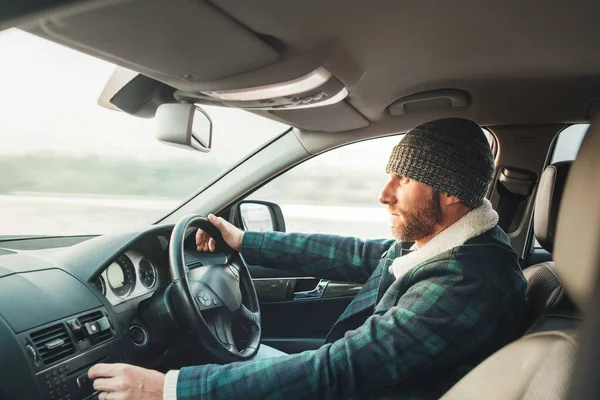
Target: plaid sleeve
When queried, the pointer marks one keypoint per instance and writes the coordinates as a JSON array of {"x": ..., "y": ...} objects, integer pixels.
[
  {"x": 325, "y": 256},
  {"x": 445, "y": 315}
]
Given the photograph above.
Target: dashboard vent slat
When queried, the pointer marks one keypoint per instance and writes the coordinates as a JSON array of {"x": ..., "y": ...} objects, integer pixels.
[
  {"x": 52, "y": 343},
  {"x": 94, "y": 340},
  {"x": 95, "y": 316}
]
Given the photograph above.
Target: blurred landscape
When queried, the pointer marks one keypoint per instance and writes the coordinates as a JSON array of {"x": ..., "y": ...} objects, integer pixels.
[
  {"x": 176, "y": 179},
  {"x": 69, "y": 166},
  {"x": 57, "y": 194}
]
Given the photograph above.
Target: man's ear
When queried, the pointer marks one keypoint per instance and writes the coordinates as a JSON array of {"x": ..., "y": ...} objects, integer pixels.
[{"x": 448, "y": 199}]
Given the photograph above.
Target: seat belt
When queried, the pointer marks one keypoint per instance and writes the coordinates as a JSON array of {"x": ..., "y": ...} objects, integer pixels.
[{"x": 514, "y": 187}]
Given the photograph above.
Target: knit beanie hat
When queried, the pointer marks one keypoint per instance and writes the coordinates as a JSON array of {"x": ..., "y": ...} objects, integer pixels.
[{"x": 452, "y": 155}]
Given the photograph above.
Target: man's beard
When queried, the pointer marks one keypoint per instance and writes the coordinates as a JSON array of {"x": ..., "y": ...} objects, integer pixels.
[{"x": 419, "y": 222}]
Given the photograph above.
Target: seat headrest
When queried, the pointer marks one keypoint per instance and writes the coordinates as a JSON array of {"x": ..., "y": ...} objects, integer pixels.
[
  {"x": 577, "y": 243},
  {"x": 547, "y": 203}
]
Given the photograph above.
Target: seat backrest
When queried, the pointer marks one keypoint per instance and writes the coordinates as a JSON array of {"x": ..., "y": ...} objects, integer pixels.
[
  {"x": 544, "y": 291},
  {"x": 541, "y": 365},
  {"x": 549, "y": 307},
  {"x": 538, "y": 365},
  {"x": 547, "y": 203}
]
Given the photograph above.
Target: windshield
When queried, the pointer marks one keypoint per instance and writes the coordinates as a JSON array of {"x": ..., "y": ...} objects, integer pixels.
[{"x": 72, "y": 167}]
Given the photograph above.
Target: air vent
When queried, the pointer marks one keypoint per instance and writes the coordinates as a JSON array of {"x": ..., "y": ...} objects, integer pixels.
[
  {"x": 95, "y": 316},
  {"x": 98, "y": 337},
  {"x": 53, "y": 343},
  {"x": 101, "y": 337}
]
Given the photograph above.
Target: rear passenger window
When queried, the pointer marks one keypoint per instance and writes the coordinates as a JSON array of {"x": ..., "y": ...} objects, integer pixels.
[{"x": 568, "y": 143}]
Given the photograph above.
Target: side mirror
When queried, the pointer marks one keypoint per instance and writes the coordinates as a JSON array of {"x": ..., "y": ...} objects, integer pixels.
[
  {"x": 258, "y": 216},
  {"x": 184, "y": 125}
]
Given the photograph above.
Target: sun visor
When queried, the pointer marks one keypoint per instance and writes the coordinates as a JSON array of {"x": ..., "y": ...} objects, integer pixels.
[{"x": 172, "y": 41}]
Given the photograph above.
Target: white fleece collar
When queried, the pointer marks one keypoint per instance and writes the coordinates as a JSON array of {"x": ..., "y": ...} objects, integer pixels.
[{"x": 472, "y": 224}]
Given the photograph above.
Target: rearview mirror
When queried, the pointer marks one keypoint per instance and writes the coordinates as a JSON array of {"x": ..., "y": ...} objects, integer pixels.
[{"x": 184, "y": 125}]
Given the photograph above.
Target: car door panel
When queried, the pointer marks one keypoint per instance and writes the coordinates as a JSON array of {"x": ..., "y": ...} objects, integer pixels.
[
  {"x": 297, "y": 312},
  {"x": 298, "y": 325}
]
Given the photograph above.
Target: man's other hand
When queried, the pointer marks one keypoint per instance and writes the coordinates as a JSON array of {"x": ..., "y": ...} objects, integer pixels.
[
  {"x": 233, "y": 236},
  {"x": 126, "y": 382}
]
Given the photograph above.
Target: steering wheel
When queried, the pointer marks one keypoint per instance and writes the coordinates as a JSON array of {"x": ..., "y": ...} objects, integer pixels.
[{"x": 211, "y": 300}]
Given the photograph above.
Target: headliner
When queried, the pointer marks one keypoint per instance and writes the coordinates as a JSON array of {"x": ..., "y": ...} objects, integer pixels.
[{"x": 521, "y": 62}]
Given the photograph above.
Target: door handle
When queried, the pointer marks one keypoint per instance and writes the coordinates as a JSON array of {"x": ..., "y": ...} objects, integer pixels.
[{"x": 316, "y": 293}]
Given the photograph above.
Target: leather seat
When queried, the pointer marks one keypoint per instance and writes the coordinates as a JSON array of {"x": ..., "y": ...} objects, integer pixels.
[
  {"x": 549, "y": 308},
  {"x": 540, "y": 365}
]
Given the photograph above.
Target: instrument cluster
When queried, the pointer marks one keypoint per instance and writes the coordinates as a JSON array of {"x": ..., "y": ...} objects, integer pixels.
[{"x": 130, "y": 275}]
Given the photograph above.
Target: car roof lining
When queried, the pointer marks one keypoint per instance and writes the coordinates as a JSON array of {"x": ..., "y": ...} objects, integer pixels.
[{"x": 531, "y": 67}]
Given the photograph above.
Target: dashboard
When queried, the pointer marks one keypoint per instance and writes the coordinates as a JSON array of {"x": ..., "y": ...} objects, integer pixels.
[{"x": 69, "y": 303}]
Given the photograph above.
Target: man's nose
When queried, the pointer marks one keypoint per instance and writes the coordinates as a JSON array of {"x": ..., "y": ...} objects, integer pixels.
[{"x": 386, "y": 196}]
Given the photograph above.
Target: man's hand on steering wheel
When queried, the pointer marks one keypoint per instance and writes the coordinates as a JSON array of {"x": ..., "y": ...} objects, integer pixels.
[{"x": 232, "y": 235}]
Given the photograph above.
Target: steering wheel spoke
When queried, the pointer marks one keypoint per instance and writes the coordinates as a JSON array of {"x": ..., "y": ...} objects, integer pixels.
[
  {"x": 221, "y": 326},
  {"x": 248, "y": 317}
]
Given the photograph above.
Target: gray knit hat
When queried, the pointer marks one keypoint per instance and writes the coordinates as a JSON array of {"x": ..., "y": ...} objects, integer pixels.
[{"x": 451, "y": 155}]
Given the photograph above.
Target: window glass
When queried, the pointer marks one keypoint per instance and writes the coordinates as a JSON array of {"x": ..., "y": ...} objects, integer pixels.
[
  {"x": 70, "y": 166},
  {"x": 337, "y": 192},
  {"x": 568, "y": 143}
]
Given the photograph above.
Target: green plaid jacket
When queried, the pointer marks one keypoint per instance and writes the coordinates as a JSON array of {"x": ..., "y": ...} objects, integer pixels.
[{"x": 410, "y": 338}]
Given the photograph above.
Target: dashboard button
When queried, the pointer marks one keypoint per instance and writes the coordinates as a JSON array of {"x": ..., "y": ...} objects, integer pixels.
[
  {"x": 82, "y": 380},
  {"x": 138, "y": 335}
]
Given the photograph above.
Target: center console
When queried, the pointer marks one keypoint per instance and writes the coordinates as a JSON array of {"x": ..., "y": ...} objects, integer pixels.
[{"x": 62, "y": 352}]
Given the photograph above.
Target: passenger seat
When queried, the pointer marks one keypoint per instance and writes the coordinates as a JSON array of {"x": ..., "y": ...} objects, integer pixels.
[
  {"x": 540, "y": 365},
  {"x": 548, "y": 307}
]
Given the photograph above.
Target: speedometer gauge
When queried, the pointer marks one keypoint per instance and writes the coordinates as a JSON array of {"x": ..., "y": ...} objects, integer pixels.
[
  {"x": 121, "y": 276},
  {"x": 147, "y": 274}
]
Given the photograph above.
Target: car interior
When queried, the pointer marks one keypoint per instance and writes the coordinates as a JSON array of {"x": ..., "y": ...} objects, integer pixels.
[{"x": 337, "y": 72}]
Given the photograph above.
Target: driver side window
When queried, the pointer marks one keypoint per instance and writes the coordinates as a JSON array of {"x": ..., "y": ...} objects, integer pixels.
[{"x": 336, "y": 192}]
